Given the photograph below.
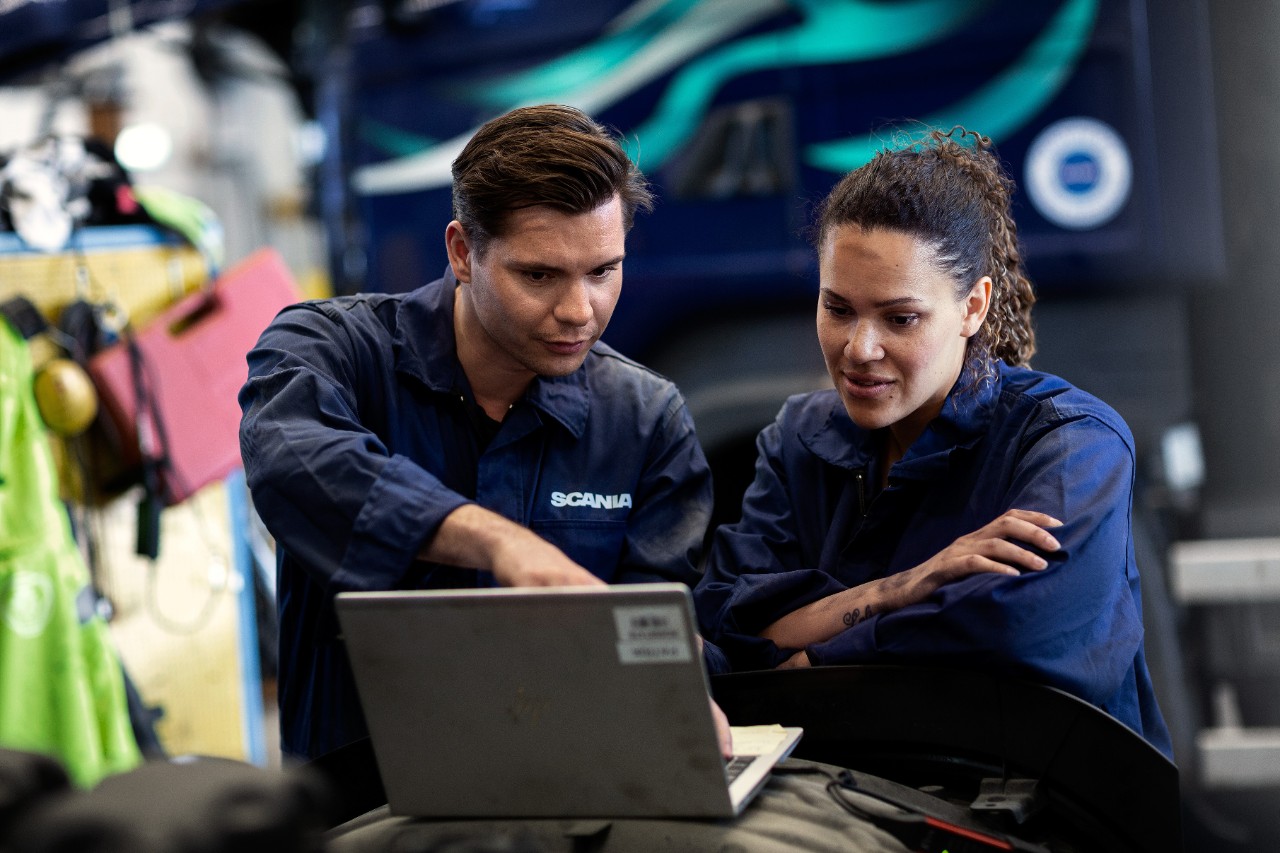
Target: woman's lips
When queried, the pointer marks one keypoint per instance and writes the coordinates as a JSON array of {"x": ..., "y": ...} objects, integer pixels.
[{"x": 866, "y": 387}]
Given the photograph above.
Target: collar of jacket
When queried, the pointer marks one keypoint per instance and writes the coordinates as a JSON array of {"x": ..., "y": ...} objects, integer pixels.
[
  {"x": 426, "y": 349},
  {"x": 962, "y": 422}
]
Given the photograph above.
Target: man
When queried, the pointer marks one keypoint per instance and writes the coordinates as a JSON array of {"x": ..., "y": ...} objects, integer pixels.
[{"x": 474, "y": 431}]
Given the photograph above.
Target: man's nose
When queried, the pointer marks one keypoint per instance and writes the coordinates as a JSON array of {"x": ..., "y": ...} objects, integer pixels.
[{"x": 574, "y": 305}]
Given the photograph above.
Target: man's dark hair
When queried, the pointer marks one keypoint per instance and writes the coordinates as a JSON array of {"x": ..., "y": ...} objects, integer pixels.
[{"x": 549, "y": 154}]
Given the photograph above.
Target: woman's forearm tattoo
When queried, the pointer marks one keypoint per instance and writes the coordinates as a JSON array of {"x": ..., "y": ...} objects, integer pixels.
[{"x": 854, "y": 616}]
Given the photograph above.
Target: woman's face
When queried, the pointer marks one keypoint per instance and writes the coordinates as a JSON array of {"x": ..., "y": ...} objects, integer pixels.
[{"x": 892, "y": 331}]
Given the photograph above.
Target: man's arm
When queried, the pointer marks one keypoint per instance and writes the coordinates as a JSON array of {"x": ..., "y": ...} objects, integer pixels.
[
  {"x": 336, "y": 497},
  {"x": 474, "y": 537},
  {"x": 327, "y": 487}
]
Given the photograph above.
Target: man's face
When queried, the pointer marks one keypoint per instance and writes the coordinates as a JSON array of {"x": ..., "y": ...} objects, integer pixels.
[{"x": 537, "y": 298}]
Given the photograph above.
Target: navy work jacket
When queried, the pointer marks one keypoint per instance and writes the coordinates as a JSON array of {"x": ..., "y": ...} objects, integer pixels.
[
  {"x": 813, "y": 526},
  {"x": 358, "y": 438}
]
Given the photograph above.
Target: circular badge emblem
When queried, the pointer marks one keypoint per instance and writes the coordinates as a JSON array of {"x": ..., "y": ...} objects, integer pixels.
[{"x": 1078, "y": 173}]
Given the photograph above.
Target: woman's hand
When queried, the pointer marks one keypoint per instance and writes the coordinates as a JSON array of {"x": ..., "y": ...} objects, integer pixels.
[{"x": 994, "y": 547}]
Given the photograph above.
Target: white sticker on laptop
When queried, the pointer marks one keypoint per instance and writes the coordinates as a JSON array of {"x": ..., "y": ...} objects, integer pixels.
[{"x": 651, "y": 634}]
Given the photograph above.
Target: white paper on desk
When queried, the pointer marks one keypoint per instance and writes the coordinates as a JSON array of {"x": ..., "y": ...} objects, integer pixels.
[{"x": 756, "y": 740}]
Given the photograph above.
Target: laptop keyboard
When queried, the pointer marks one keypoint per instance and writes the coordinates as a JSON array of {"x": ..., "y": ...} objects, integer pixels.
[{"x": 734, "y": 766}]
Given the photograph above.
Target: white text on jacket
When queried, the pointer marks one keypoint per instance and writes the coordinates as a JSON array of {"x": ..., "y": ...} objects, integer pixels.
[{"x": 590, "y": 499}]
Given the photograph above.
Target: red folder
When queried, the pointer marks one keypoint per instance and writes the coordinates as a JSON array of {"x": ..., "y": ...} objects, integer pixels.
[{"x": 187, "y": 366}]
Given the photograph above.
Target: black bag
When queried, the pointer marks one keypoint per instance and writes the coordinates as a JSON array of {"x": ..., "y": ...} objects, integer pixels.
[{"x": 208, "y": 805}]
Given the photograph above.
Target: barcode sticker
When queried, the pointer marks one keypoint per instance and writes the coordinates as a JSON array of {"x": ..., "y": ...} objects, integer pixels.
[{"x": 652, "y": 634}]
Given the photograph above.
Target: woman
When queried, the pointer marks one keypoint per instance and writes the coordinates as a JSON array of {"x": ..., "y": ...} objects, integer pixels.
[{"x": 943, "y": 503}]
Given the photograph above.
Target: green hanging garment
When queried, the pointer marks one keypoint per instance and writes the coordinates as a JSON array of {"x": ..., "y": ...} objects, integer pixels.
[{"x": 61, "y": 686}]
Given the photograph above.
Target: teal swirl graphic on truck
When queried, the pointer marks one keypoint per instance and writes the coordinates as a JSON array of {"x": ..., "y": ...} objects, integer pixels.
[{"x": 687, "y": 39}]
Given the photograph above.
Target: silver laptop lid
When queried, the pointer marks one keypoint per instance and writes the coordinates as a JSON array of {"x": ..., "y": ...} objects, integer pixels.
[{"x": 560, "y": 702}]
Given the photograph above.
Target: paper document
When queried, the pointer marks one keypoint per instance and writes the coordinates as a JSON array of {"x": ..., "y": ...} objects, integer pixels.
[{"x": 756, "y": 740}]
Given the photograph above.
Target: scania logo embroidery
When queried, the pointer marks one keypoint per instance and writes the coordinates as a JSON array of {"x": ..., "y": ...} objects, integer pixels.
[{"x": 559, "y": 499}]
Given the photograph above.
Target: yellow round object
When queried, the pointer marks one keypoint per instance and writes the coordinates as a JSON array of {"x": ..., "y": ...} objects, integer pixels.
[{"x": 66, "y": 397}]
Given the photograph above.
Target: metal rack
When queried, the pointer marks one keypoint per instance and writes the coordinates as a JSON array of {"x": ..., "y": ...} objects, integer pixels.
[
  {"x": 1222, "y": 572},
  {"x": 142, "y": 269}
]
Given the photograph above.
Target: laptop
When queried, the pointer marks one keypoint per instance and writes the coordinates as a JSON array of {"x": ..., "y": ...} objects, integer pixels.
[{"x": 547, "y": 702}]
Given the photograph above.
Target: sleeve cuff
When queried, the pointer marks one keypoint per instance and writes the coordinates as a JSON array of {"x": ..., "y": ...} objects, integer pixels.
[
  {"x": 853, "y": 645},
  {"x": 404, "y": 508}
]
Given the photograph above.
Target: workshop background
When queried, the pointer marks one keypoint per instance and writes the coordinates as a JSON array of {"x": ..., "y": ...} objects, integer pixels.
[{"x": 151, "y": 152}]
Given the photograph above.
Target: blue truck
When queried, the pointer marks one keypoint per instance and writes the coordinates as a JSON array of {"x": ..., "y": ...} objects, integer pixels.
[{"x": 743, "y": 113}]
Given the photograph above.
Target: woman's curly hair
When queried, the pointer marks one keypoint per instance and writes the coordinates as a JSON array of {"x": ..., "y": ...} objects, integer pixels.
[{"x": 950, "y": 190}]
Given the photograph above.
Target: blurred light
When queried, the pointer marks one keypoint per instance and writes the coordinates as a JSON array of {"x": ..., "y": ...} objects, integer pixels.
[
  {"x": 1183, "y": 457},
  {"x": 311, "y": 141},
  {"x": 143, "y": 147}
]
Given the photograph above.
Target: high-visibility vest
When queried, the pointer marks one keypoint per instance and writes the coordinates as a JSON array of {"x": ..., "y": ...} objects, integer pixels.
[{"x": 62, "y": 689}]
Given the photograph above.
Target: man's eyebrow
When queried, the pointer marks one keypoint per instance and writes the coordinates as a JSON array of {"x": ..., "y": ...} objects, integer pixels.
[{"x": 539, "y": 266}]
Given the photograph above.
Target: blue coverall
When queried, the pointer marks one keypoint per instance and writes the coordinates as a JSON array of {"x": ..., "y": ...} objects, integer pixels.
[
  {"x": 359, "y": 435},
  {"x": 813, "y": 525}
]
